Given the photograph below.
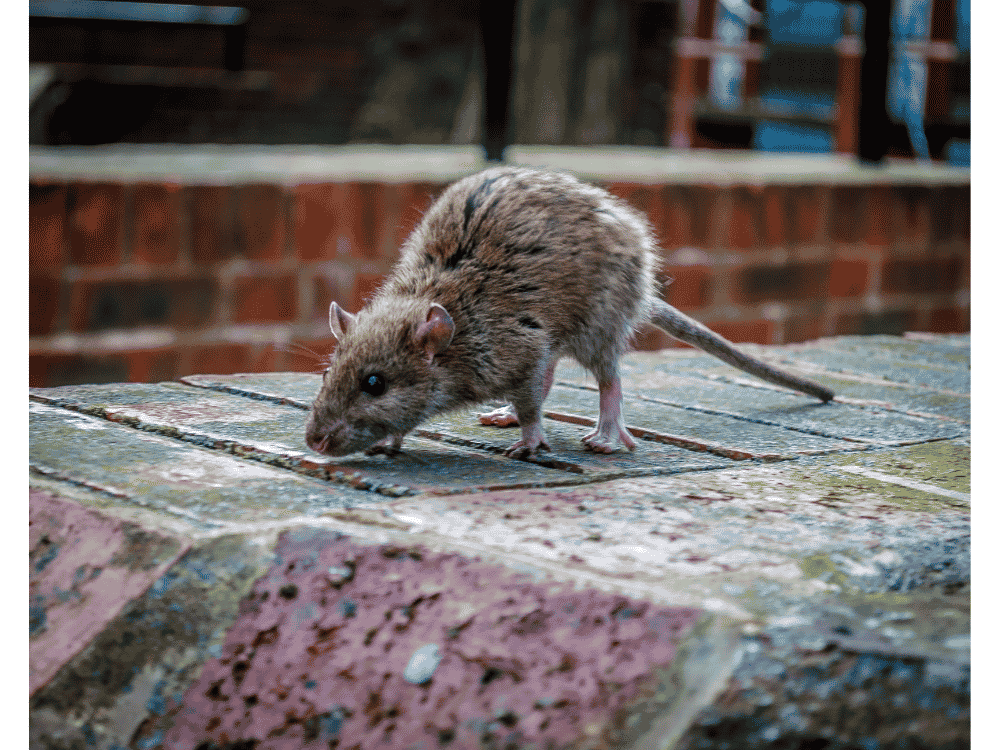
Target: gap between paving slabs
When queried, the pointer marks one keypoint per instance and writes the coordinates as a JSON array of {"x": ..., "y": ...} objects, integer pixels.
[
  {"x": 772, "y": 424},
  {"x": 248, "y": 416}
]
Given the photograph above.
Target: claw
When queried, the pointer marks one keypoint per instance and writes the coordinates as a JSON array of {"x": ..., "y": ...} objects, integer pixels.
[
  {"x": 390, "y": 446},
  {"x": 522, "y": 450}
]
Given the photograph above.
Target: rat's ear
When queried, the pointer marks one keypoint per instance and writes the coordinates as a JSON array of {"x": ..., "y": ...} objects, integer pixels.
[
  {"x": 434, "y": 335},
  {"x": 340, "y": 320}
]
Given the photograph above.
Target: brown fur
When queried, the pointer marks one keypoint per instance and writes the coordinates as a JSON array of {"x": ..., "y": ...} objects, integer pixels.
[{"x": 528, "y": 266}]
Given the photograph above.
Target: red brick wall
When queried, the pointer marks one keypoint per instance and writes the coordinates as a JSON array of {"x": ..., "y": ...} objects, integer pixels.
[{"x": 229, "y": 279}]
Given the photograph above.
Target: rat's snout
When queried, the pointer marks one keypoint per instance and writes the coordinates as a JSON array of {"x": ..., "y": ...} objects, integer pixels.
[{"x": 319, "y": 438}]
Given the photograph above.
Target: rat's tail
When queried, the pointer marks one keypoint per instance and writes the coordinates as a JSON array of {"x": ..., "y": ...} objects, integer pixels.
[{"x": 690, "y": 331}]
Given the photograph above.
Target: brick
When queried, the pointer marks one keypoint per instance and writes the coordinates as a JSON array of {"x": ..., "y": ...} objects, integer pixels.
[
  {"x": 365, "y": 286},
  {"x": 212, "y": 233},
  {"x": 224, "y": 358},
  {"x": 156, "y": 215},
  {"x": 187, "y": 303},
  {"x": 950, "y": 213},
  {"x": 309, "y": 355},
  {"x": 791, "y": 282},
  {"x": 805, "y": 211},
  {"x": 950, "y": 320},
  {"x": 634, "y": 193},
  {"x": 365, "y": 219},
  {"x": 878, "y": 216},
  {"x": 745, "y": 230},
  {"x": 806, "y": 328},
  {"x": 657, "y": 210},
  {"x": 890, "y": 323},
  {"x": 95, "y": 223},
  {"x": 749, "y": 331},
  {"x": 774, "y": 219},
  {"x": 911, "y": 216},
  {"x": 668, "y": 215},
  {"x": 260, "y": 221},
  {"x": 317, "y": 212},
  {"x": 522, "y": 642},
  {"x": 690, "y": 216},
  {"x": 46, "y": 225},
  {"x": 847, "y": 211},
  {"x": 961, "y": 205},
  {"x": 84, "y": 568},
  {"x": 220, "y": 359},
  {"x": 339, "y": 219},
  {"x": 412, "y": 199},
  {"x": 51, "y": 370},
  {"x": 848, "y": 278},
  {"x": 43, "y": 304},
  {"x": 848, "y": 324},
  {"x": 152, "y": 365},
  {"x": 703, "y": 207},
  {"x": 265, "y": 300},
  {"x": 689, "y": 289},
  {"x": 922, "y": 276}
]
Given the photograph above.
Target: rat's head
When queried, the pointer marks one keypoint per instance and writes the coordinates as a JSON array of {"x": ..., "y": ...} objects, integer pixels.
[{"x": 383, "y": 378}]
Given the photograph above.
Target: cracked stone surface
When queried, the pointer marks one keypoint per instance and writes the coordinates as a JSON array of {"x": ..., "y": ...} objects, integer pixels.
[{"x": 762, "y": 571}]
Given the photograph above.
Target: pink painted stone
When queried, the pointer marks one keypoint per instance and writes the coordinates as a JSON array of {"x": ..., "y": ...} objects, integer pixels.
[
  {"x": 319, "y": 650},
  {"x": 84, "y": 568}
]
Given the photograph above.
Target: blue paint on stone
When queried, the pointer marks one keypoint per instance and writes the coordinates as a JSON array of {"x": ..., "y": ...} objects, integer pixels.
[
  {"x": 37, "y": 619},
  {"x": 50, "y": 554}
]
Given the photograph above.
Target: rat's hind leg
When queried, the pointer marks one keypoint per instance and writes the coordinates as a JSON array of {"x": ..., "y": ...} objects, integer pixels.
[
  {"x": 610, "y": 423},
  {"x": 505, "y": 416}
]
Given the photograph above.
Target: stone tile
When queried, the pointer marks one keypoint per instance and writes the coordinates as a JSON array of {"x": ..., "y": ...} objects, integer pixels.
[
  {"x": 84, "y": 567},
  {"x": 804, "y": 359},
  {"x": 713, "y": 539},
  {"x": 622, "y": 600},
  {"x": 148, "y": 654},
  {"x": 353, "y": 643},
  {"x": 197, "y": 485},
  {"x": 273, "y": 435}
]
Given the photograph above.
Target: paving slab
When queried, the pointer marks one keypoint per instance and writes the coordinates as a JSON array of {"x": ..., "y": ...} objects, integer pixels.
[
  {"x": 208, "y": 488},
  {"x": 463, "y": 428},
  {"x": 763, "y": 571},
  {"x": 700, "y": 382},
  {"x": 273, "y": 434}
]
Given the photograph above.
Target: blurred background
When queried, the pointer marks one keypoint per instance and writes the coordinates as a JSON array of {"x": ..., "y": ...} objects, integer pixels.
[{"x": 204, "y": 180}]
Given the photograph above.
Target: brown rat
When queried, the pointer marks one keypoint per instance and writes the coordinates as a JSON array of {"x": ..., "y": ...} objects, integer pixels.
[{"x": 509, "y": 270}]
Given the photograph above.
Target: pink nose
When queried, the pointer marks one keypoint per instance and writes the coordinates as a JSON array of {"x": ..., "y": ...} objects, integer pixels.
[
  {"x": 318, "y": 444},
  {"x": 317, "y": 439}
]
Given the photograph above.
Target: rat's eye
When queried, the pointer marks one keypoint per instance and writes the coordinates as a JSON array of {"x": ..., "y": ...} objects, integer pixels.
[{"x": 373, "y": 385}]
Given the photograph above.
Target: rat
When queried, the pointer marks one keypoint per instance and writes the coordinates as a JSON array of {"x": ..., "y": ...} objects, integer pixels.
[{"x": 509, "y": 270}]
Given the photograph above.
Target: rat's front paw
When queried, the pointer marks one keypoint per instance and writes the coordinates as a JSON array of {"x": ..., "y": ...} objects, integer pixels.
[
  {"x": 390, "y": 446},
  {"x": 522, "y": 449}
]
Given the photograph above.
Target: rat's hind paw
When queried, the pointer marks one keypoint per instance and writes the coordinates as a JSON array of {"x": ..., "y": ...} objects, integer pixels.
[
  {"x": 605, "y": 441},
  {"x": 505, "y": 416}
]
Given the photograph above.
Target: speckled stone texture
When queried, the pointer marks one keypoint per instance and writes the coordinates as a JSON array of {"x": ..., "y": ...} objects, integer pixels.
[
  {"x": 762, "y": 572},
  {"x": 320, "y": 647}
]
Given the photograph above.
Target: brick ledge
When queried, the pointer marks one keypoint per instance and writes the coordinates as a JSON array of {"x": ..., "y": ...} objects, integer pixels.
[{"x": 220, "y": 164}]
